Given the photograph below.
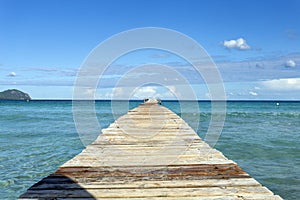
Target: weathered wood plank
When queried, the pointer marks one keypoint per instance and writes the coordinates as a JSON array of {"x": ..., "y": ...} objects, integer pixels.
[
  {"x": 257, "y": 197},
  {"x": 88, "y": 183},
  {"x": 152, "y": 192}
]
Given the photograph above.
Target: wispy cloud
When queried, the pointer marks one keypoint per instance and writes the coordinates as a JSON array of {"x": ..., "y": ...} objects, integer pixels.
[
  {"x": 259, "y": 69},
  {"x": 239, "y": 44},
  {"x": 285, "y": 84},
  {"x": 292, "y": 34},
  {"x": 54, "y": 70},
  {"x": 250, "y": 70},
  {"x": 160, "y": 55},
  {"x": 253, "y": 93},
  {"x": 38, "y": 82}
]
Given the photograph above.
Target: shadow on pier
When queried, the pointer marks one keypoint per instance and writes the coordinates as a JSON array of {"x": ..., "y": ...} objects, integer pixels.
[{"x": 56, "y": 186}]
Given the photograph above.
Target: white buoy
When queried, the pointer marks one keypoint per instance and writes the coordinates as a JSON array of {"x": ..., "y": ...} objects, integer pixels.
[{"x": 277, "y": 104}]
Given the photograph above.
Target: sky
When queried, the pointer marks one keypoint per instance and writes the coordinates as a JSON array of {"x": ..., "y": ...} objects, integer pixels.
[{"x": 255, "y": 45}]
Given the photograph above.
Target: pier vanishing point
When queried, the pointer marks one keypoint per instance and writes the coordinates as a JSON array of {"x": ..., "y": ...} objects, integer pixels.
[{"x": 149, "y": 153}]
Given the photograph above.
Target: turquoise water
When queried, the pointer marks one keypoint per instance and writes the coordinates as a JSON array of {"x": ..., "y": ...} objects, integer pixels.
[{"x": 38, "y": 136}]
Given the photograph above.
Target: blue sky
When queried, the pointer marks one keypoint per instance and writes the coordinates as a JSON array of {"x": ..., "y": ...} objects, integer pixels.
[{"x": 255, "y": 44}]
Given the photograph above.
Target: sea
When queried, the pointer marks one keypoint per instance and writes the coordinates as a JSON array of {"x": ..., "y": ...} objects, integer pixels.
[{"x": 263, "y": 137}]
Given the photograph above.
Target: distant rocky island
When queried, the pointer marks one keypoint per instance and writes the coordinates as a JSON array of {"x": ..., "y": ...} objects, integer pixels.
[{"x": 14, "y": 94}]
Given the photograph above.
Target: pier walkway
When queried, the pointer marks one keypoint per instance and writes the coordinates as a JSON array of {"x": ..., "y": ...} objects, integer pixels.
[{"x": 149, "y": 153}]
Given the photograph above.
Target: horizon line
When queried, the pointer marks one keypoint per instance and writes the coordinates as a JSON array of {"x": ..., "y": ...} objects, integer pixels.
[{"x": 199, "y": 100}]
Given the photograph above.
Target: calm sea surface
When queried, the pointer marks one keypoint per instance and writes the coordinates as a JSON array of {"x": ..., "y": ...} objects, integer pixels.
[{"x": 263, "y": 138}]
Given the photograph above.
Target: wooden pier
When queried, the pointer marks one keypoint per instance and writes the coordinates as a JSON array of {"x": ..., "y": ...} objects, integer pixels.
[{"x": 149, "y": 153}]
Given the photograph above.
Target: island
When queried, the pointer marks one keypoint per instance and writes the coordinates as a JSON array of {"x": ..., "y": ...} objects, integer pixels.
[{"x": 14, "y": 94}]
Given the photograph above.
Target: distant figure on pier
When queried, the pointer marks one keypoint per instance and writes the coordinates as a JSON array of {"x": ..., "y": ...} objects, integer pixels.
[{"x": 153, "y": 101}]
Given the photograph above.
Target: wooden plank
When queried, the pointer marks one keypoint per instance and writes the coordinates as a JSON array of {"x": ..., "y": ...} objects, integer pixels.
[
  {"x": 150, "y": 192},
  {"x": 89, "y": 184},
  {"x": 149, "y": 153},
  {"x": 257, "y": 197}
]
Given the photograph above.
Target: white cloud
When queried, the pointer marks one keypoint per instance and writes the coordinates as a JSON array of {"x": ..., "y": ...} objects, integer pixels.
[
  {"x": 207, "y": 95},
  {"x": 108, "y": 95},
  {"x": 290, "y": 63},
  {"x": 239, "y": 44},
  {"x": 286, "y": 84},
  {"x": 145, "y": 92},
  {"x": 12, "y": 74},
  {"x": 89, "y": 91},
  {"x": 168, "y": 92},
  {"x": 253, "y": 93},
  {"x": 116, "y": 93},
  {"x": 153, "y": 92}
]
